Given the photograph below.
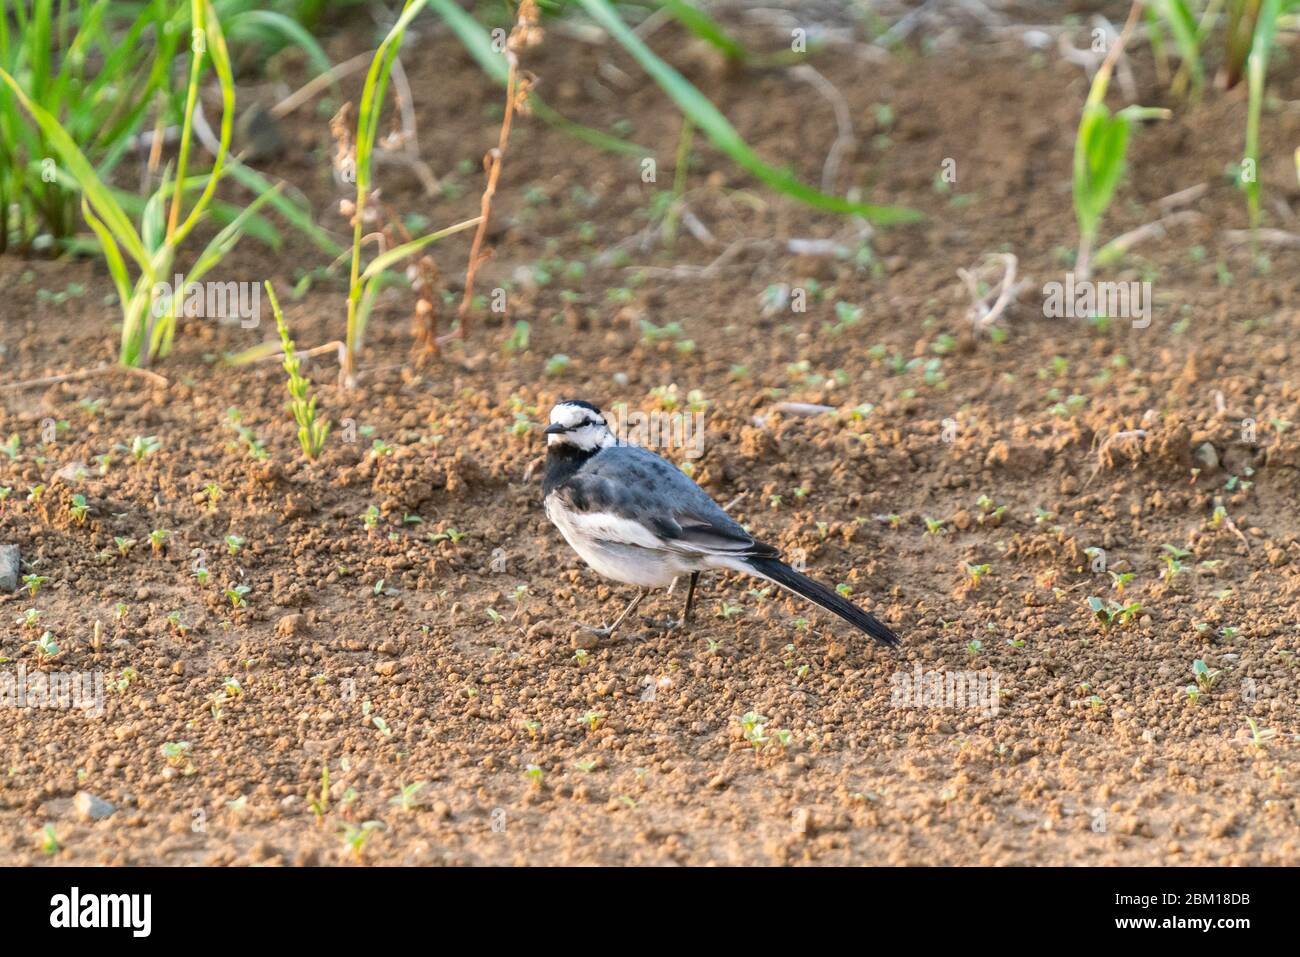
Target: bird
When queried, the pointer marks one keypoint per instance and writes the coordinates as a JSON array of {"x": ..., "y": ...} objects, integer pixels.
[{"x": 636, "y": 518}]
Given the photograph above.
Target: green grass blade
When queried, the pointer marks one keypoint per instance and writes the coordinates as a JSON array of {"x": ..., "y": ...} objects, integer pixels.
[
  {"x": 298, "y": 216},
  {"x": 215, "y": 46},
  {"x": 1256, "y": 72},
  {"x": 705, "y": 27},
  {"x": 1186, "y": 31},
  {"x": 395, "y": 255},
  {"x": 287, "y": 27},
  {"x": 708, "y": 118},
  {"x": 112, "y": 255},
  {"x": 94, "y": 189}
]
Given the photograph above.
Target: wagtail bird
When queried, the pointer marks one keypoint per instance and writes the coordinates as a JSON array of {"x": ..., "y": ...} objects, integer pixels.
[{"x": 638, "y": 519}]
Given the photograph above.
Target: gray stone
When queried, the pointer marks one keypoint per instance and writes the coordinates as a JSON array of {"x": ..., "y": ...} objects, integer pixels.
[
  {"x": 91, "y": 808},
  {"x": 9, "y": 568},
  {"x": 1207, "y": 455}
]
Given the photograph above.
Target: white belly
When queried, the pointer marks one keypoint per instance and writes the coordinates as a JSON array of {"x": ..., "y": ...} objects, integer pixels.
[{"x": 640, "y": 565}]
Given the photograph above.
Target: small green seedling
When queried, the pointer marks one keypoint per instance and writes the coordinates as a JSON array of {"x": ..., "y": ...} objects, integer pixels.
[
  {"x": 177, "y": 755},
  {"x": 50, "y": 841},
  {"x": 370, "y": 518},
  {"x": 141, "y": 447},
  {"x": 933, "y": 526},
  {"x": 1258, "y": 735},
  {"x": 46, "y": 649},
  {"x": 405, "y": 798},
  {"x": 1108, "y": 613},
  {"x": 1173, "y": 557},
  {"x": 753, "y": 726},
  {"x": 356, "y": 837},
  {"x": 212, "y": 492},
  {"x": 124, "y": 545},
  {"x": 79, "y": 509},
  {"x": 157, "y": 538},
  {"x": 1206, "y": 677},
  {"x": 975, "y": 573},
  {"x": 29, "y": 618},
  {"x": 236, "y": 595},
  {"x": 33, "y": 583},
  {"x": 233, "y": 544},
  {"x": 320, "y": 804}
]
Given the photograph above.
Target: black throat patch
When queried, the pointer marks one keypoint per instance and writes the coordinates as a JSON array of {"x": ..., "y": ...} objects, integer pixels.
[{"x": 562, "y": 462}]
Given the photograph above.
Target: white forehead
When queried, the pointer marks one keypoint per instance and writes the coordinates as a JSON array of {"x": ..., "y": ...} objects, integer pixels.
[{"x": 570, "y": 415}]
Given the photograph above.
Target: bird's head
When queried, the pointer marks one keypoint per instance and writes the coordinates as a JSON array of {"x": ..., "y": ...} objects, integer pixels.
[{"x": 578, "y": 425}]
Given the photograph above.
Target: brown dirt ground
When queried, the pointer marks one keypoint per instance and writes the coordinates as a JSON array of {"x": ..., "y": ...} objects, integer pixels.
[{"x": 467, "y": 658}]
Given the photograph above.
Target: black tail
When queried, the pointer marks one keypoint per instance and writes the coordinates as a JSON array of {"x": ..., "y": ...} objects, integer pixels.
[{"x": 778, "y": 571}]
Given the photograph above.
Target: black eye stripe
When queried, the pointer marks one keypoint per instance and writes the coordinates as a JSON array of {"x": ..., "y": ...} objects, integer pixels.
[{"x": 579, "y": 425}]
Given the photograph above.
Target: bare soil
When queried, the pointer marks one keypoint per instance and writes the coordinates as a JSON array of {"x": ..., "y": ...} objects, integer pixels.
[{"x": 465, "y": 676}]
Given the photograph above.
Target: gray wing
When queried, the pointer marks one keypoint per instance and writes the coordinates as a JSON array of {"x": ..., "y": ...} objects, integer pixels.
[{"x": 639, "y": 488}]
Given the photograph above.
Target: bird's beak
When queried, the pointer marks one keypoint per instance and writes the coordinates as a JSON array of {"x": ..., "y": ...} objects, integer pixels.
[{"x": 553, "y": 429}]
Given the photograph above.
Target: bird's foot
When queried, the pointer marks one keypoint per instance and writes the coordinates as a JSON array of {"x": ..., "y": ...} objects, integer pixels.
[{"x": 665, "y": 625}]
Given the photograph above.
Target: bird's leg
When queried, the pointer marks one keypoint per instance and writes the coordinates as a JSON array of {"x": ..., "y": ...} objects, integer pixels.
[
  {"x": 608, "y": 631},
  {"x": 627, "y": 611},
  {"x": 690, "y": 597},
  {"x": 670, "y": 625}
]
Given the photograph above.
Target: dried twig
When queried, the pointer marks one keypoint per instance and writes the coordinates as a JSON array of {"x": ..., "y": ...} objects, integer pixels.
[
  {"x": 526, "y": 33},
  {"x": 315, "y": 86},
  {"x": 981, "y": 315},
  {"x": 1269, "y": 237},
  {"x": 1184, "y": 197},
  {"x": 153, "y": 377},
  {"x": 803, "y": 408},
  {"x": 845, "y": 141},
  {"x": 1155, "y": 230}
]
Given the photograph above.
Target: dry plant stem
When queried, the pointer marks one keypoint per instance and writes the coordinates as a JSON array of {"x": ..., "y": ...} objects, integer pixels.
[
  {"x": 153, "y": 377},
  {"x": 980, "y": 314},
  {"x": 1184, "y": 197},
  {"x": 322, "y": 82},
  {"x": 1232, "y": 526},
  {"x": 494, "y": 158},
  {"x": 335, "y": 347},
  {"x": 1154, "y": 230},
  {"x": 845, "y": 142},
  {"x": 1266, "y": 237}
]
